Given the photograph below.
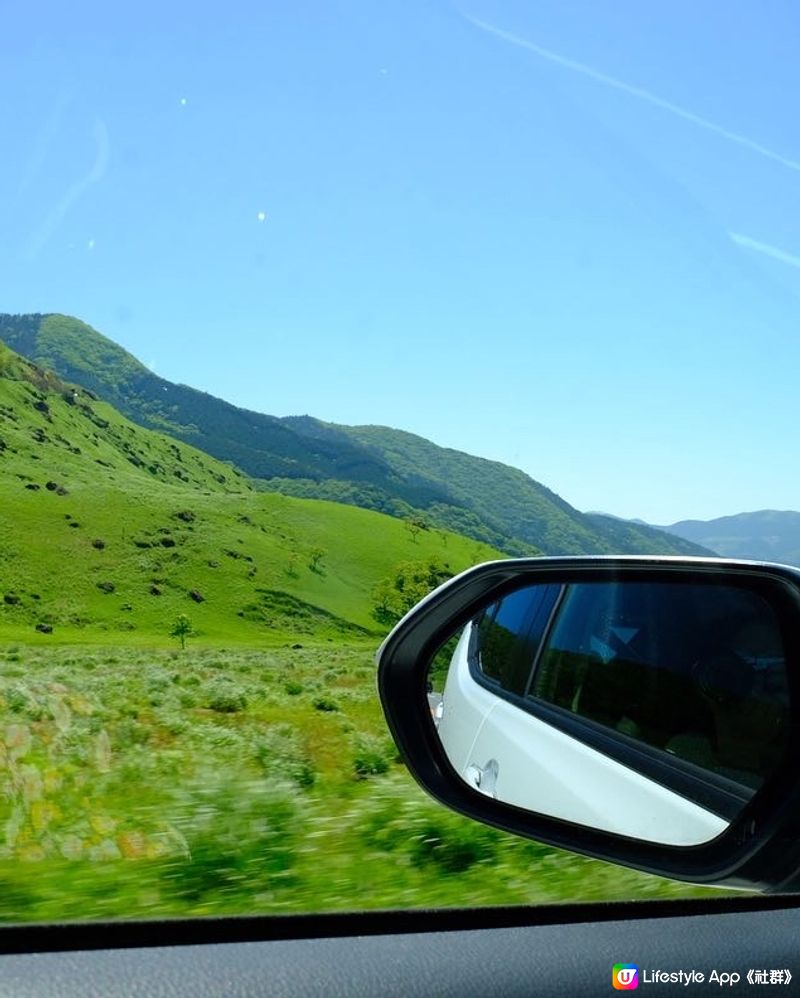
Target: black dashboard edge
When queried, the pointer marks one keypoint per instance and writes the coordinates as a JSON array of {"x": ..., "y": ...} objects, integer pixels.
[{"x": 128, "y": 934}]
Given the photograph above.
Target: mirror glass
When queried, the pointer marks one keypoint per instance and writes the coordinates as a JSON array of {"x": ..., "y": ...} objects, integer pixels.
[{"x": 653, "y": 710}]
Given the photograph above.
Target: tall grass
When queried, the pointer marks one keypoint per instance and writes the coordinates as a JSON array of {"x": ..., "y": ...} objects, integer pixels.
[{"x": 144, "y": 783}]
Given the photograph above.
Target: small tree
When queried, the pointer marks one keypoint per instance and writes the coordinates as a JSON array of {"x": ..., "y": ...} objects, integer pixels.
[
  {"x": 414, "y": 524},
  {"x": 182, "y": 629}
]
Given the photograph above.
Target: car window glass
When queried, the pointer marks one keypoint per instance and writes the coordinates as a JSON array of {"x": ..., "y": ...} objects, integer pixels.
[
  {"x": 309, "y": 307},
  {"x": 509, "y": 634},
  {"x": 697, "y": 672}
]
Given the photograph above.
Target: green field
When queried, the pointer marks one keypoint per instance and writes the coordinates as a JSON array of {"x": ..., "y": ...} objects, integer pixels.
[
  {"x": 151, "y": 782},
  {"x": 252, "y": 771}
]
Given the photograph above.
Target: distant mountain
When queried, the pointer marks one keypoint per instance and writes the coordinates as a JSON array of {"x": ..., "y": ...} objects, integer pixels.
[
  {"x": 373, "y": 467},
  {"x": 766, "y": 535},
  {"x": 637, "y": 537}
]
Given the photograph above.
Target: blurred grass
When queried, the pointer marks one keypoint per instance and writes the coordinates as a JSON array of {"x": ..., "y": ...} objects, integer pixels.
[{"x": 151, "y": 783}]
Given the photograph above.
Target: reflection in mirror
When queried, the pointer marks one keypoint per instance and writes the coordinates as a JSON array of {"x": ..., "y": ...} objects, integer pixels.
[{"x": 653, "y": 710}]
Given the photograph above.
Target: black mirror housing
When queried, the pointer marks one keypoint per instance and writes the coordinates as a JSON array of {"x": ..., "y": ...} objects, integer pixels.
[{"x": 760, "y": 847}]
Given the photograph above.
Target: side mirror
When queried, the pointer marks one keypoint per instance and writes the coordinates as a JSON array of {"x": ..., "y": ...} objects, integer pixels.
[{"x": 642, "y": 711}]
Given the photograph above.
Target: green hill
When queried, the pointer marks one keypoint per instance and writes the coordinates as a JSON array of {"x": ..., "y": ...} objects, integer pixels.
[
  {"x": 509, "y": 501},
  {"x": 371, "y": 467},
  {"x": 110, "y": 527},
  {"x": 264, "y": 446}
]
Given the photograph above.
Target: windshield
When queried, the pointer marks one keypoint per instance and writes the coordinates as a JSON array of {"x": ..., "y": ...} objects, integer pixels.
[{"x": 306, "y": 308}]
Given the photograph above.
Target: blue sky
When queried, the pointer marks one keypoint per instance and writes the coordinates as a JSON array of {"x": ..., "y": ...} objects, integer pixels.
[{"x": 563, "y": 235}]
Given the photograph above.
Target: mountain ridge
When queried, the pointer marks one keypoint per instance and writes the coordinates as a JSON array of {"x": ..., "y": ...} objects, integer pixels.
[
  {"x": 377, "y": 468},
  {"x": 760, "y": 535}
]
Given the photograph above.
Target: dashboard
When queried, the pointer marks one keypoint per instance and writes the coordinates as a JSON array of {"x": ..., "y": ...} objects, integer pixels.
[{"x": 549, "y": 950}]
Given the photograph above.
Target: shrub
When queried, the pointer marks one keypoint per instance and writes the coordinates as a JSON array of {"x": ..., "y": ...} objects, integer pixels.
[
  {"x": 397, "y": 819},
  {"x": 372, "y": 756},
  {"x": 240, "y": 836},
  {"x": 325, "y": 704},
  {"x": 315, "y": 558},
  {"x": 281, "y": 752},
  {"x": 130, "y": 732},
  {"x": 452, "y": 848},
  {"x": 17, "y": 699},
  {"x": 225, "y": 697}
]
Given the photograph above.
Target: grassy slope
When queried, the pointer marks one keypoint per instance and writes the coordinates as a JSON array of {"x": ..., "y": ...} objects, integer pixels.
[
  {"x": 120, "y": 500},
  {"x": 372, "y": 467}
]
